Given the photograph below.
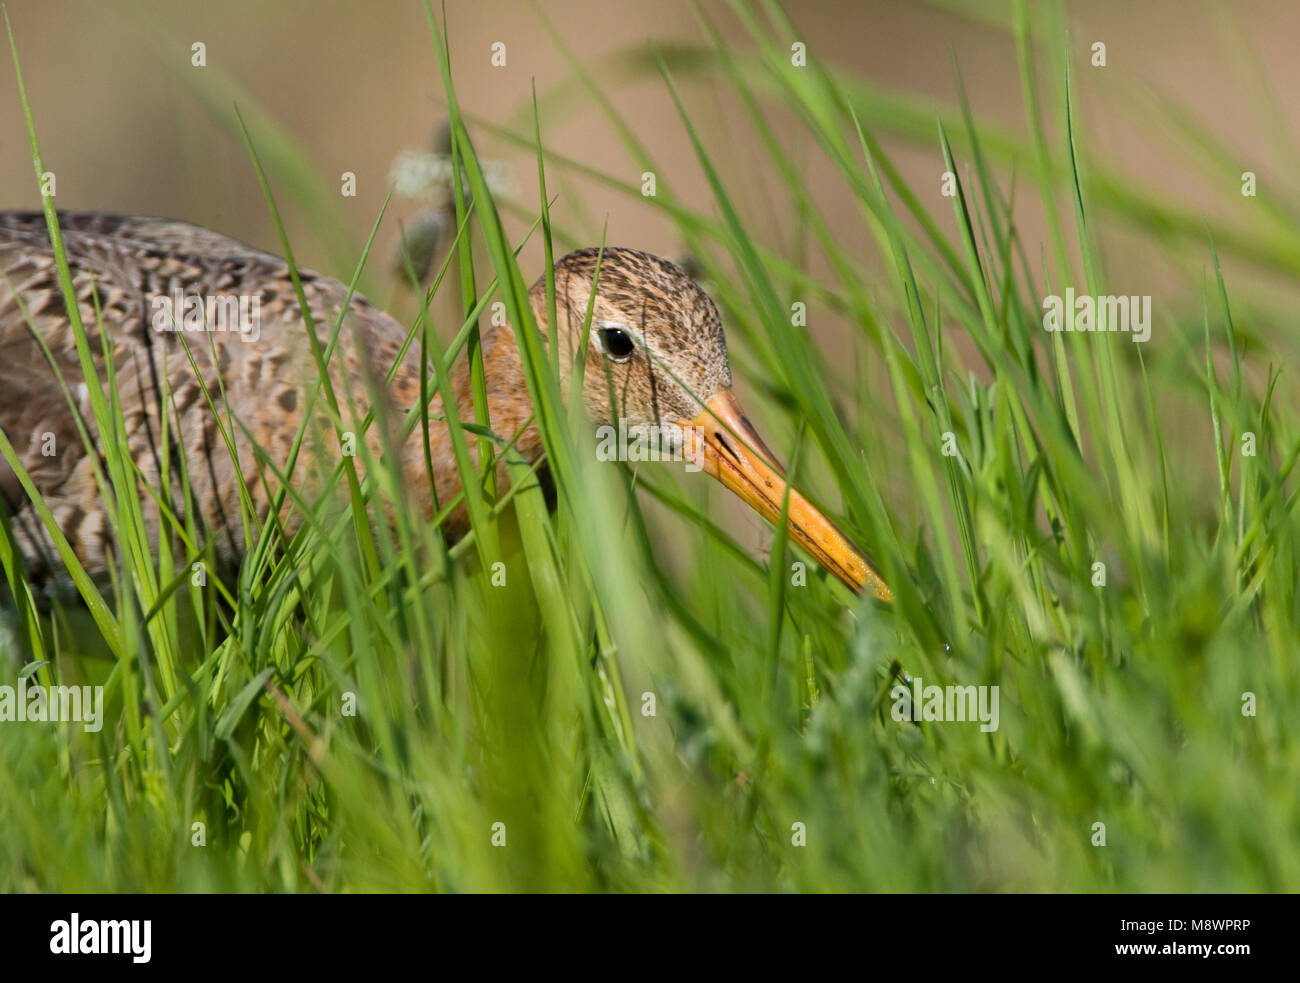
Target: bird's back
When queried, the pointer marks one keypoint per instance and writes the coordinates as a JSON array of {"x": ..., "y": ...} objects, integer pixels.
[{"x": 193, "y": 319}]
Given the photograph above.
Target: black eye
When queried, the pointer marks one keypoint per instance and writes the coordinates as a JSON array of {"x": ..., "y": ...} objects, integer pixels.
[{"x": 618, "y": 344}]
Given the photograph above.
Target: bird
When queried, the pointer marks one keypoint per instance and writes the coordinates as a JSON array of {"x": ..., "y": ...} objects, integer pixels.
[{"x": 655, "y": 354}]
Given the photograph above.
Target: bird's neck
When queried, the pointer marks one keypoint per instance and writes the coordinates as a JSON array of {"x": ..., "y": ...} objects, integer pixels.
[
  {"x": 509, "y": 405},
  {"x": 509, "y": 411}
]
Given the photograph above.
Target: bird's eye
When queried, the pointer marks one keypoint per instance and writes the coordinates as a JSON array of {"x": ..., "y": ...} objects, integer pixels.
[{"x": 617, "y": 344}]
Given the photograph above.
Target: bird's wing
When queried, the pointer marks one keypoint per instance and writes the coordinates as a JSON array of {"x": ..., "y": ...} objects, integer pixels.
[{"x": 128, "y": 266}]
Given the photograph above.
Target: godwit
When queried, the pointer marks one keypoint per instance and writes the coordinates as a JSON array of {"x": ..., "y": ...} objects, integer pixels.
[{"x": 652, "y": 327}]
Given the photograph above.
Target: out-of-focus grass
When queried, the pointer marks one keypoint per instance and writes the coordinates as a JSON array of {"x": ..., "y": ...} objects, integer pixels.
[{"x": 528, "y": 705}]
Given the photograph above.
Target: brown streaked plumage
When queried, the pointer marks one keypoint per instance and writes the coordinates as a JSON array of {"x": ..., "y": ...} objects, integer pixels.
[{"x": 655, "y": 335}]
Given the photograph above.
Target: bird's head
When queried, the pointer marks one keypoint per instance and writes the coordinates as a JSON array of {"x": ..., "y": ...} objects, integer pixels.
[
  {"x": 656, "y": 357},
  {"x": 655, "y": 350}
]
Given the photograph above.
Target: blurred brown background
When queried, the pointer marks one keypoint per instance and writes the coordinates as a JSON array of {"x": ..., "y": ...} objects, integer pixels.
[{"x": 123, "y": 124}]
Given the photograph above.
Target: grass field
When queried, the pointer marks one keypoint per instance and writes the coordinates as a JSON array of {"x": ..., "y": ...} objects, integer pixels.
[{"x": 1103, "y": 530}]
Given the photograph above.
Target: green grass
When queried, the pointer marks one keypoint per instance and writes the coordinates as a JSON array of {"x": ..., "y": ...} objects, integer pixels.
[{"x": 523, "y": 705}]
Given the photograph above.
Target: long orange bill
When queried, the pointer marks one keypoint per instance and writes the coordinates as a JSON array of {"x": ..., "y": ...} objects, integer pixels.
[{"x": 726, "y": 446}]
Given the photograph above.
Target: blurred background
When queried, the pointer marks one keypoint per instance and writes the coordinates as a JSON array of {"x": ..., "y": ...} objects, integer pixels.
[{"x": 127, "y": 124}]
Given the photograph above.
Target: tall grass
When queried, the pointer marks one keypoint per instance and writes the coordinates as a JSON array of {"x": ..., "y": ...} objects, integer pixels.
[{"x": 611, "y": 720}]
